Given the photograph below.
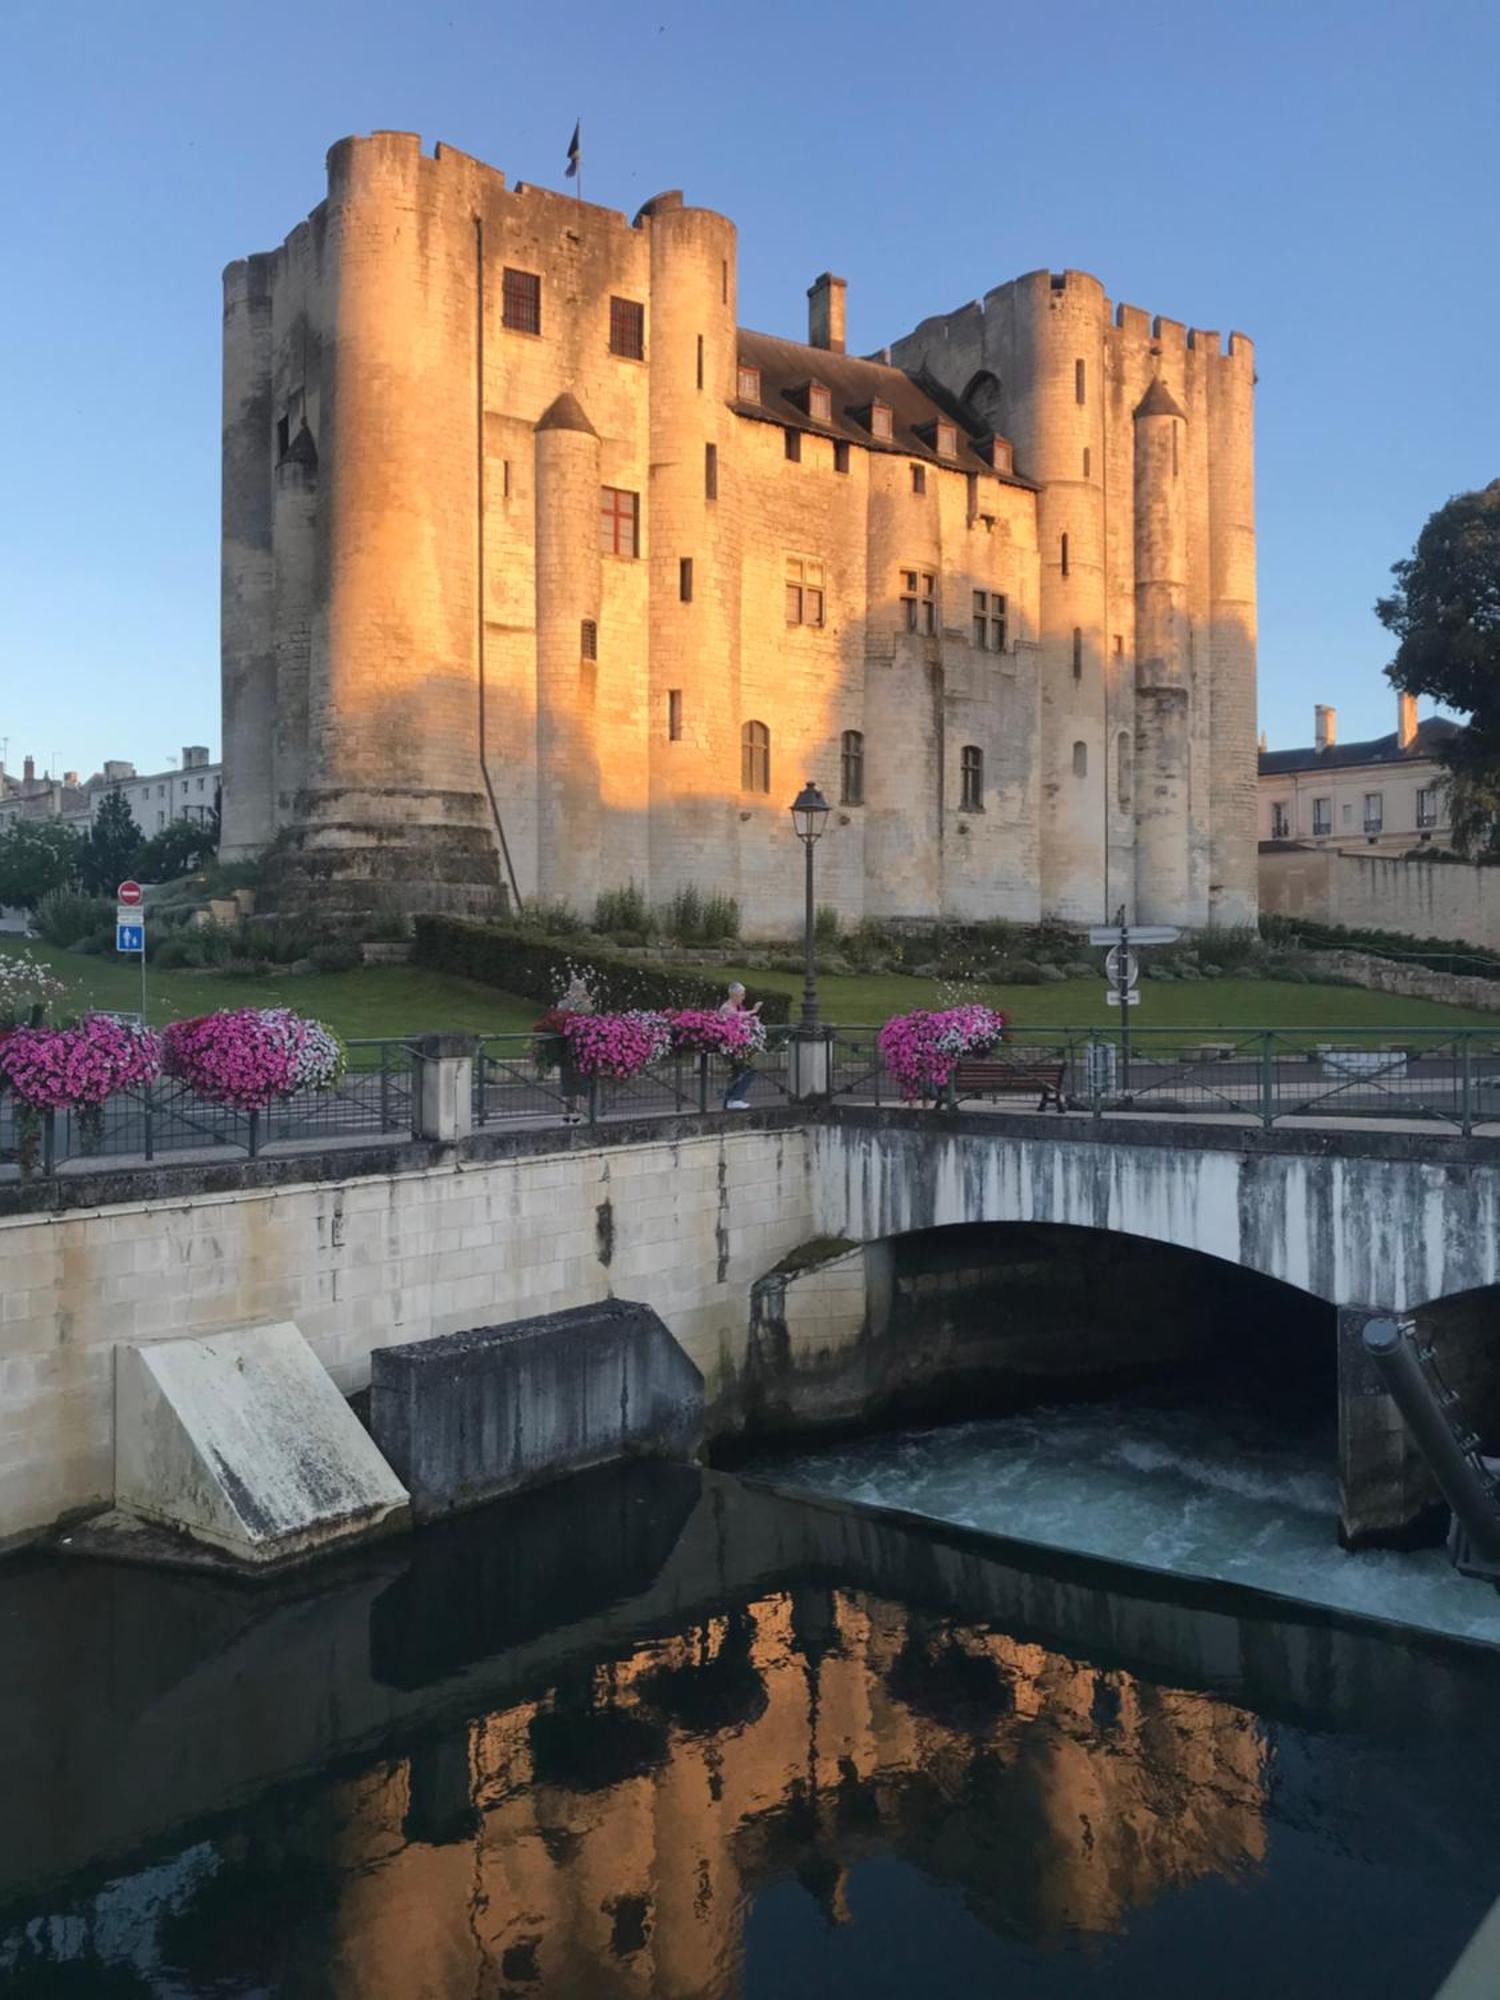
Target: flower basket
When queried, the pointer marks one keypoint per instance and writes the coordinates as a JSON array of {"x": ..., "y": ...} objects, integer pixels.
[
  {"x": 698, "y": 1032},
  {"x": 247, "y": 1057},
  {"x": 617, "y": 1045},
  {"x": 922, "y": 1049}
]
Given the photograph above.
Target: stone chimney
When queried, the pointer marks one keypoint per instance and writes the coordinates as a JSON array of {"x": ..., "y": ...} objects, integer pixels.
[
  {"x": 28, "y": 771},
  {"x": 1325, "y": 727},
  {"x": 825, "y": 313},
  {"x": 1406, "y": 721}
]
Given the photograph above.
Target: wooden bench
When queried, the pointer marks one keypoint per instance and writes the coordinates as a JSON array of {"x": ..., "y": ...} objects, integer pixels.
[{"x": 996, "y": 1076}]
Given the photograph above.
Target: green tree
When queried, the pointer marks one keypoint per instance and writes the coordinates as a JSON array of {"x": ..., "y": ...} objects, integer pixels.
[
  {"x": 179, "y": 849},
  {"x": 1445, "y": 613},
  {"x": 36, "y": 855},
  {"x": 111, "y": 851}
]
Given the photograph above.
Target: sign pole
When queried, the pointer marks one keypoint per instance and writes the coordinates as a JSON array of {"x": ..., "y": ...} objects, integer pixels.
[{"x": 1122, "y": 982}]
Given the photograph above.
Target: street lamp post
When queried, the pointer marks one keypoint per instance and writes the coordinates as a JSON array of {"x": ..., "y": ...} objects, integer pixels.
[{"x": 809, "y": 816}]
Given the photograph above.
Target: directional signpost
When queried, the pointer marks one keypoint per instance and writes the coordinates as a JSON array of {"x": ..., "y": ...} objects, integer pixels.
[
  {"x": 130, "y": 930},
  {"x": 1122, "y": 969}
]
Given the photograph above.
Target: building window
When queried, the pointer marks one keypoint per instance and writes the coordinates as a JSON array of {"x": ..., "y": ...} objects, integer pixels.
[
  {"x": 619, "y": 522},
  {"x": 283, "y": 437},
  {"x": 627, "y": 329},
  {"x": 1087, "y": 461},
  {"x": 1346, "y": 812},
  {"x": 1119, "y": 646},
  {"x": 989, "y": 621},
  {"x": 700, "y": 361},
  {"x": 1427, "y": 813},
  {"x": 1122, "y": 770},
  {"x": 971, "y": 480},
  {"x": 1374, "y": 811},
  {"x": 1080, "y": 760},
  {"x": 919, "y": 479},
  {"x": 919, "y": 600},
  {"x": 971, "y": 778},
  {"x": 1078, "y": 652},
  {"x": 1281, "y": 821},
  {"x": 521, "y": 301},
  {"x": 794, "y": 445},
  {"x": 161, "y": 791},
  {"x": 1322, "y": 816},
  {"x": 749, "y": 386},
  {"x": 819, "y": 403},
  {"x": 1063, "y": 551},
  {"x": 685, "y": 579},
  {"x": 852, "y": 768},
  {"x": 588, "y": 639},
  {"x": 880, "y": 421},
  {"x": 755, "y": 758},
  {"x": 674, "y": 715},
  {"x": 505, "y": 478},
  {"x": 840, "y": 456},
  {"x": 1080, "y": 381},
  {"x": 947, "y": 440},
  {"x": 1174, "y": 451},
  {"x": 710, "y": 472},
  {"x": 804, "y": 591}
]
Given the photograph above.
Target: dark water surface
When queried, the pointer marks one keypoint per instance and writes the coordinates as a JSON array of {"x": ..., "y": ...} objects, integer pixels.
[{"x": 659, "y": 1733}]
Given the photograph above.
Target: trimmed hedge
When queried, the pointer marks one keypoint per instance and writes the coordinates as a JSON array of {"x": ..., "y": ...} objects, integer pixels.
[
  {"x": 1436, "y": 954},
  {"x": 539, "y": 968}
]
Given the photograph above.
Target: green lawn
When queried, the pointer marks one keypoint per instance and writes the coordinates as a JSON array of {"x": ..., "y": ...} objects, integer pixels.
[{"x": 405, "y": 1000}]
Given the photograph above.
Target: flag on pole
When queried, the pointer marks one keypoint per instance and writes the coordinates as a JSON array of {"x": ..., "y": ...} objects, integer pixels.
[{"x": 573, "y": 150}]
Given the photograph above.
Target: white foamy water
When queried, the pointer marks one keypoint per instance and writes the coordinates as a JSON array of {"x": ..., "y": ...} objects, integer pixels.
[{"x": 1201, "y": 1492}]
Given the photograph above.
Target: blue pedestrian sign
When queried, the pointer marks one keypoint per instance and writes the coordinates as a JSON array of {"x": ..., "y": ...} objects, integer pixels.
[{"x": 130, "y": 937}]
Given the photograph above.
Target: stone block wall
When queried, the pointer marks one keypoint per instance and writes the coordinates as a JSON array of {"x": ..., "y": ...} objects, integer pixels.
[{"x": 1420, "y": 899}]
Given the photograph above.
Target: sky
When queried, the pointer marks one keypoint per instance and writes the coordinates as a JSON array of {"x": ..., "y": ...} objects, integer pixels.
[{"x": 1319, "y": 175}]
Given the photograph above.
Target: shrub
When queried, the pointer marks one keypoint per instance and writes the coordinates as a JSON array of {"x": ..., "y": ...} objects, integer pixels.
[
  {"x": 521, "y": 962},
  {"x": 1437, "y": 954},
  {"x": 684, "y": 915},
  {"x": 624, "y": 910},
  {"x": 826, "y": 924},
  {"x": 1023, "y": 972},
  {"x": 57, "y": 1069},
  {"x": 721, "y": 919},
  {"x": 63, "y": 916},
  {"x": 558, "y": 919},
  {"x": 338, "y": 955}
]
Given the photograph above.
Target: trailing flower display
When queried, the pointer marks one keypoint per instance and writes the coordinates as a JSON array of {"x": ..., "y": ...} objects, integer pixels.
[
  {"x": 249, "y": 1056},
  {"x": 697, "y": 1031},
  {"x": 921, "y": 1049},
  {"x": 619, "y": 1045},
  {"x": 77, "y": 1068}
]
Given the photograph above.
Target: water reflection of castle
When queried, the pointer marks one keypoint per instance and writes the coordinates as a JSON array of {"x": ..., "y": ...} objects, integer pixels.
[{"x": 610, "y": 1839}]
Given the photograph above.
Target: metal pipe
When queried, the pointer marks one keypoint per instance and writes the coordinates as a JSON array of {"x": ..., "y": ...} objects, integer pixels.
[{"x": 1465, "y": 1484}]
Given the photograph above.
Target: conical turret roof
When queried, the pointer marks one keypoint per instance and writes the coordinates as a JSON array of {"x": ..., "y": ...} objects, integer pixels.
[
  {"x": 1159, "y": 401},
  {"x": 565, "y": 414}
]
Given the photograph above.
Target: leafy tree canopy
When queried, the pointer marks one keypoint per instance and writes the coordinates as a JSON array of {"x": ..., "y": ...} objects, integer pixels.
[
  {"x": 111, "y": 850},
  {"x": 1445, "y": 613},
  {"x": 179, "y": 849},
  {"x": 36, "y": 855}
]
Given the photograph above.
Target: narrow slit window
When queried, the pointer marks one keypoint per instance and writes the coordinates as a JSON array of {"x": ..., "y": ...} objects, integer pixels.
[
  {"x": 1080, "y": 760},
  {"x": 973, "y": 493},
  {"x": 971, "y": 778},
  {"x": 685, "y": 579},
  {"x": 505, "y": 478},
  {"x": 700, "y": 361},
  {"x": 588, "y": 639},
  {"x": 794, "y": 445},
  {"x": 283, "y": 436},
  {"x": 1064, "y": 554},
  {"x": 521, "y": 301},
  {"x": 710, "y": 472},
  {"x": 1175, "y": 466},
  {"x": 919, "y": 479},
  {"x": 1122, "y": 770},
  {"x": 1080, "y": 381},
  {"x": 1078, "y": 652},
  {"x": 840, "y": 456},
  {"x": 1087, "y": 461},
  {"x": 674, "y": 715},
  {"x": 852, "y": 768}
]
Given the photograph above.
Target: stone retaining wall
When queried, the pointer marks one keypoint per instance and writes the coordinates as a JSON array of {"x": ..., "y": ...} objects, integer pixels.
[{"x": 1415, "y": 982}]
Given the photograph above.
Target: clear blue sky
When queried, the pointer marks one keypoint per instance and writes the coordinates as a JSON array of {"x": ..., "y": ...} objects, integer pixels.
[{"x": 1320, "y": 175}]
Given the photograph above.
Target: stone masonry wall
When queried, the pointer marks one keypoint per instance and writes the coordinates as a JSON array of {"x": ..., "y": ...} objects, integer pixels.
[{"x": 1441, "y": 899}]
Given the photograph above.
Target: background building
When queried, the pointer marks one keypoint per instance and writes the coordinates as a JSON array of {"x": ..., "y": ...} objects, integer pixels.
[
  {"x": 155, "y": 799},
  {"x": 1389, "y": 793},
  {"x": 542, "y": 575}
]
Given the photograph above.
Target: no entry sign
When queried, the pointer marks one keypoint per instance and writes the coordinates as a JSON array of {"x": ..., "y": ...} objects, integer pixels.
[{"x": 128, "y": 893}]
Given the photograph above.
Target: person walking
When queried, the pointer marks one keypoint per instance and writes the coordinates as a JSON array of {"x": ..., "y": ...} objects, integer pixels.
[{"x": 735, "y": 1098}]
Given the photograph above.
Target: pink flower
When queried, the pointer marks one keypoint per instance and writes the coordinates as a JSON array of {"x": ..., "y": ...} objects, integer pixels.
[
  {"x": 61, "y": 1069},
  {"x": 922, "y": 1048}
]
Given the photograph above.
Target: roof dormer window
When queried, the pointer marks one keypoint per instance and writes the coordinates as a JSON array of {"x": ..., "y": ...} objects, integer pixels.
[
  {"x": 819, "y": 403},
  {"x": 880, "y": 421},
  {"x": 749, "y": 386},
  {"x": 947, "y": 440}
]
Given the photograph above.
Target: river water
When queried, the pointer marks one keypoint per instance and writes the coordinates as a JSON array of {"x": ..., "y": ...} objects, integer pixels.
[{"x": 662, "y": 1732}]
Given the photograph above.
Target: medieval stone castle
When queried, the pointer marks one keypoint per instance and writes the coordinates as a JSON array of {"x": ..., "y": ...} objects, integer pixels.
[{"x": 541, "y": 575}]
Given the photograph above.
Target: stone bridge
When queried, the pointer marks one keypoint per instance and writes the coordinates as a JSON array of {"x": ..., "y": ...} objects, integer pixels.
[{"x": 768, "y": 1244}]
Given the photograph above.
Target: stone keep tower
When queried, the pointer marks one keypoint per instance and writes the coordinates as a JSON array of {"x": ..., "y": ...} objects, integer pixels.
[{"x": 1140, "y": 435}]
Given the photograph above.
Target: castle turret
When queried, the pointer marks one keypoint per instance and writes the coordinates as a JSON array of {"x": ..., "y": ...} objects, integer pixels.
[
  {"x": 1232, "y": 633},
  {"x": 1163, "y": 668},
  {"x": 567, "y": 666},
  {"x": 246, "y": 641}
]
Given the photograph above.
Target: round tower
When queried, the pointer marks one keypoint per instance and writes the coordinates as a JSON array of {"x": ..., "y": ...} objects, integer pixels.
[
  {"x": 294, "y": 550},
  {"x": 693, "y": 525},
  {"x": 1163, "y": 666},
  {"x": 567, "y": 623},
  {"x": 908, "y": 794},
  {"x": 394, "y": 810},
  {"x": 1232, "y": 633},
  {"x": 247, "y": 655}
]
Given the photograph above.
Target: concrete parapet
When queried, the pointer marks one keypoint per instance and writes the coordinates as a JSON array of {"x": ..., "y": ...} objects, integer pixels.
[{"x": 471, "y": 1416}]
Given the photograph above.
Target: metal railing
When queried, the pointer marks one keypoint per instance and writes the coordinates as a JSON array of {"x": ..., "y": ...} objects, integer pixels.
[
  {"x": 372, "y": 1099},
  {"x": 525, "y": 1079},
  {"x": 1439, "y": 1076}
]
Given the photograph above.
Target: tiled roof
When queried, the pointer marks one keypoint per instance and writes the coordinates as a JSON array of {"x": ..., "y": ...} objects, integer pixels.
[
  {"x": 854, "y": 383},
  {"x": 1430, "y": 737}
]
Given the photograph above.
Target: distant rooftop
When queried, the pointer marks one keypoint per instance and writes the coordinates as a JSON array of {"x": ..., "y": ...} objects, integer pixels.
[{"x": 1426, "y": 744}]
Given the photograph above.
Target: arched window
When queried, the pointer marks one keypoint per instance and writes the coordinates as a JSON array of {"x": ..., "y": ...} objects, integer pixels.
[
  {"x": 755, "y": 757},
  {"x": 1080, "y": 760},
  {"x": 1122, "y": 769},
  {"x": 971, "y": 778},
  {"x": 852, "y": 768}
]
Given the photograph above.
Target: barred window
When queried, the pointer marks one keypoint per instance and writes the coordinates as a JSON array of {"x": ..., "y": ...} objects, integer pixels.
[
  {"x": 989, "y": 621},
  {"x": 619, "y": 522},
  {"x": 1281, "y": 820},
  {"x": 521, "y": 301},
  {"x": 627, "y": 329},
  {"x": 755, "y": 758},
  {"x": 971, "y": 778},
  {"x": 588, "y": 639},
  {"x": 852, "y": 768},
  {"x": 804, "y": 591},
  {"x": 919, "y": 600}
]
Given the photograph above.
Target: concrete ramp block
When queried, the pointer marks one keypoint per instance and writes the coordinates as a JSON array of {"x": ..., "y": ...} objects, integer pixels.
[
  {"x": 470, "y": 1416},
  {"x": 242, "y": 1441}
]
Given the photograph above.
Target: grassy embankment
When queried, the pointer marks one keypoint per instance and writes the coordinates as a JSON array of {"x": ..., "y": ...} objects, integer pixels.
[{"x": 406, "y": 1000}]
